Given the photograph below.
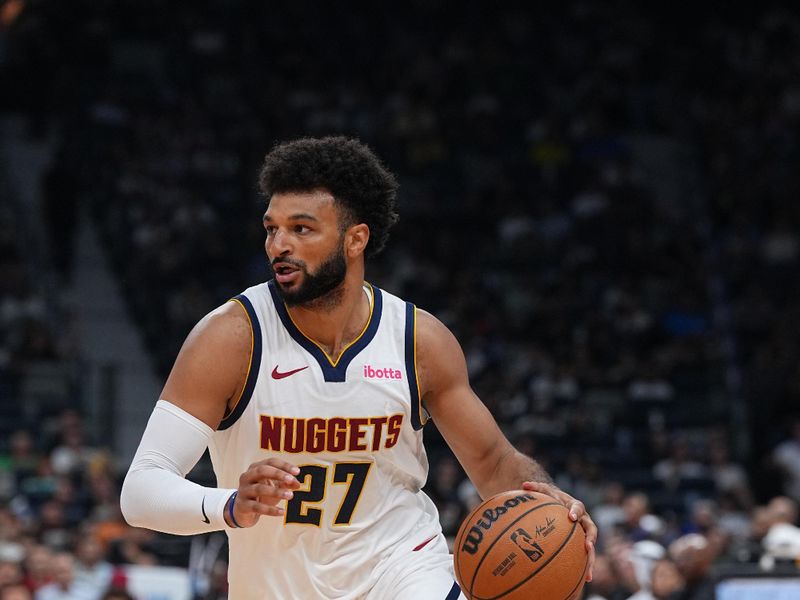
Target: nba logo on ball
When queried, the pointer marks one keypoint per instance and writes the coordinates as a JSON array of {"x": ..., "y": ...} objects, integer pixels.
[
  {"x": 519, "y": 545},
  {"x": 531, "y": 549}
]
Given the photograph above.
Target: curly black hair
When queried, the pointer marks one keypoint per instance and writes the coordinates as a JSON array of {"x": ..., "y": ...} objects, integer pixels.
[{"x": 345, "y": 167}]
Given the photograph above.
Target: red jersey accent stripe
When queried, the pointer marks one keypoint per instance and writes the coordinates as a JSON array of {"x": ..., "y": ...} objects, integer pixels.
[{"x": 423, "y": 544}]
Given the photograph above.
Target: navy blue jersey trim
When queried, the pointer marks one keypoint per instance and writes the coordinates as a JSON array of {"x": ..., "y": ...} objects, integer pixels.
[
  {"x": 252, "y": 371},
  {"x": 455, "y": 591},
  {"x": 332, "y": 372},
  {"x": 411, "y": 365}
]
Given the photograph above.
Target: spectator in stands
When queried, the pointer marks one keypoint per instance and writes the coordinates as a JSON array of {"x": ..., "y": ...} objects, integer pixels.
[
  {"x": 37, "y": 567},
  {"x": 39, "y": 487},
  {"x": 636, "y": 506},
  {"x": 693, "y": 557},
  {"x": 730, "y": 477},
  {"x": 64, "y": 585},
  {"x": 72, "y": 454},
  {"x": 644, "y": 555},
  {"x": 618, "y": 551},
  {"x": 72, "y": 497},
  {"x": 92, "y": 570},
  {"x": 783, "y": 510},
  {"x": 651, "y": 387},
  {"x": 10, "y": 571},
  {"x": 786, "y": 456},
  {"x": 604, "y": 584},
  {"x": 750, "y": 549},
  {"x": 679, "y": 466},
  {"x": 702, "y": 517},
  {"x": 101, "y": 488},
  {"x": 110, "y": 530},
  {"x": 15, "y": 591},
  {"x": 667, "y": 582},
  {"x": 609, "y": 512},
  {"x": 582, "y": 477},
  {"x": 52, "y": 529},
  {"x": 135, "y": 547},
  {"x": 22, "y": 458},
  {"x": 11, "y": 529},
  {"x": 733, "y": 522},
  {"x": 782, "y": 540}
]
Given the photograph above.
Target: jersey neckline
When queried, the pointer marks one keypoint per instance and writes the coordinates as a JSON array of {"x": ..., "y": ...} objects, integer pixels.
[{"x": 332, "y": 370}]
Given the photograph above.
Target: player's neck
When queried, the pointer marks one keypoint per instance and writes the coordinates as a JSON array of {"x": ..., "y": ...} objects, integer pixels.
[{"x": 334, "y": 325}]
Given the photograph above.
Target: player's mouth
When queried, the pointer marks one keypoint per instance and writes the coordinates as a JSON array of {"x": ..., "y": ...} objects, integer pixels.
[{"x": 285, "y": 273}]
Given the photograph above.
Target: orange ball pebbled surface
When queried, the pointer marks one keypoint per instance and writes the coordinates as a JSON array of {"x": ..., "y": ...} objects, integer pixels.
[{"x": 520, "y": 545}]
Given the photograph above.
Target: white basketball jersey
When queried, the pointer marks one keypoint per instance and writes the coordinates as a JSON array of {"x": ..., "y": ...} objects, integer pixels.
[{"x": 354, "y": 428}]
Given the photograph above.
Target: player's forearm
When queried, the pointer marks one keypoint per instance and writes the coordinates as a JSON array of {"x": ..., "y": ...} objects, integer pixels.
[
  {"x": 163, "y": 501},
  {"x": 155, "y": 493},
  {"x": 511, "y": 470}
]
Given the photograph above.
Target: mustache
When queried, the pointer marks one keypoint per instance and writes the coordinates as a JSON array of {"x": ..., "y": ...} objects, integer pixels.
[{"x": 289, "y": 261}]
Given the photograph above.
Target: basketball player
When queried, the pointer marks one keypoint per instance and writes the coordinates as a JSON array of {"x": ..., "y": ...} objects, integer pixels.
[{"x": 311, "y": 391}]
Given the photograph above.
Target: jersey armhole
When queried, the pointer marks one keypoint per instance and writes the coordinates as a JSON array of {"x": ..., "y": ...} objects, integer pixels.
[
  {"x": 252, "y": 368},
  {"x": 419, "y": 416}
]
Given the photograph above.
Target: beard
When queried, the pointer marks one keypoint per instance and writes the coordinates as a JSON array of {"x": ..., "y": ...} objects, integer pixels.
[{"x": 319, "y": 289}]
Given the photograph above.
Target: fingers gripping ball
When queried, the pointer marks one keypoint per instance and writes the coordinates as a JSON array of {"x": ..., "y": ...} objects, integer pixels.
[{"x": 520, "y": 545}]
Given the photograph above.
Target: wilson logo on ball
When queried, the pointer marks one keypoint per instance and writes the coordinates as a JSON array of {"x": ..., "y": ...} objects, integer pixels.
[{"x": 473, "y": 539}]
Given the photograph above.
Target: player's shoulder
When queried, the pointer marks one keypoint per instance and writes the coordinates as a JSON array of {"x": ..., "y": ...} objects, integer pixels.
[
  {"x": 434, "y": 340},
  {"x": 439, "y": 359},
  {"x": 227, "y": 326},
  {"x": 212, "y": 364},
  {"x": 226, "y": 314},
  {"x": 430, "y": 327}
]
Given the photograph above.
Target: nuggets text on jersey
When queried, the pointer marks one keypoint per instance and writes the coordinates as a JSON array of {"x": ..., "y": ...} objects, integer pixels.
[{"x": 337, "y": 434}]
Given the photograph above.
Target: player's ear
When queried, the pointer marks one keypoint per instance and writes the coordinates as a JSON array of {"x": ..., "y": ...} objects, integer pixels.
[{"x": 355, "y": 239}]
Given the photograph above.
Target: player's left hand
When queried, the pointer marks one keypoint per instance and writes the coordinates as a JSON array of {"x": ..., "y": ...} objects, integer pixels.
[{"x": 577, "y": 512}]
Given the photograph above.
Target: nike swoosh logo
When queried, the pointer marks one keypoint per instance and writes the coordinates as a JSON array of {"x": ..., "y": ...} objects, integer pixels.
[
  {"x": 203, "y": 508},
  {"x": 278, "y": 375}
]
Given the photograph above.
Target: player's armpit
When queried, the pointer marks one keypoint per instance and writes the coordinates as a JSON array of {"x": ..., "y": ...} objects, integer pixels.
[{"x": 211, "y": 367}]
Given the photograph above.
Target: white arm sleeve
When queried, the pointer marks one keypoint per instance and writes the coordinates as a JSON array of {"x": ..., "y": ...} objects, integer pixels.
[{"x": 155, "y": 493}]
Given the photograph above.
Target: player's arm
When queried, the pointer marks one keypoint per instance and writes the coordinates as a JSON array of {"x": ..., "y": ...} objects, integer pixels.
[
  {"x": 208, "y": 374},
  {"x": 489, "y": 459},
  {"x": 211, "y": 366}
]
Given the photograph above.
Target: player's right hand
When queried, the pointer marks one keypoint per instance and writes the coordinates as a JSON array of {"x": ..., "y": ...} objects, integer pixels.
[{"x": 261, "y": 487}]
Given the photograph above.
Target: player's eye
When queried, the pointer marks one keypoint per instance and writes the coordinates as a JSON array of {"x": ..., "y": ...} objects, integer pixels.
[{"x": 301, "y": 229}]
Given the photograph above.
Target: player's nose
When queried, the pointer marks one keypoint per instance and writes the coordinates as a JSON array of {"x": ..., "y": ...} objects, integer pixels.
[{"x": 278, "y": 244}]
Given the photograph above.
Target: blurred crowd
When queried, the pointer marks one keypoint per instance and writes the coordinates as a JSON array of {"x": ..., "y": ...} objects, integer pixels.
[{"x": 629, "y": 311}]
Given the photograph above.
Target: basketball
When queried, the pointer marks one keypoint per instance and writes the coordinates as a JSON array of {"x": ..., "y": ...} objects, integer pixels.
[{"x": 520, "y": 545}]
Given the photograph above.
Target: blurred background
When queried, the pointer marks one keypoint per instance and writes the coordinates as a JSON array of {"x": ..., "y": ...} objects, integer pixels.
[{"x": 599, "y": 199}]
